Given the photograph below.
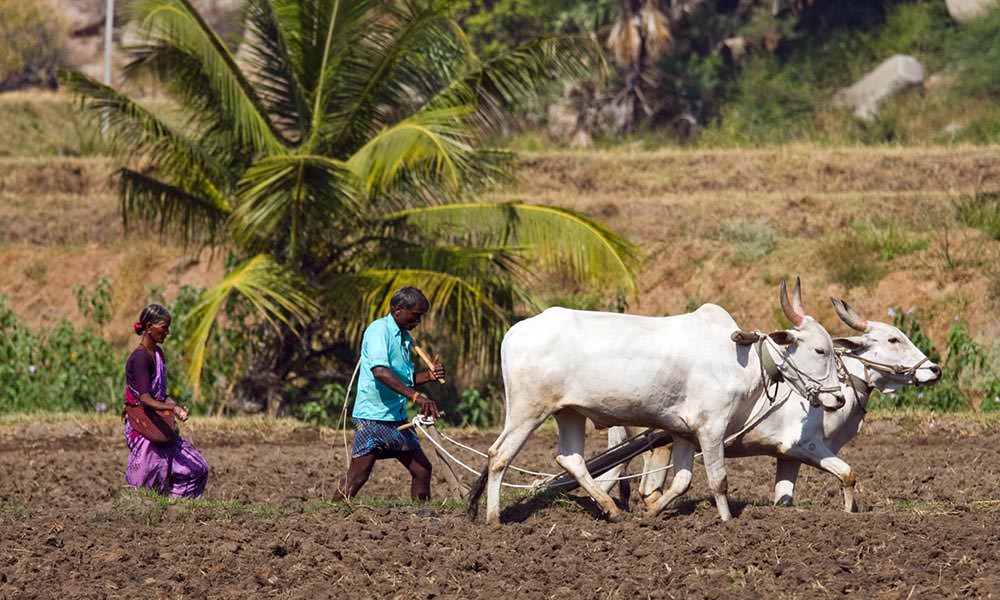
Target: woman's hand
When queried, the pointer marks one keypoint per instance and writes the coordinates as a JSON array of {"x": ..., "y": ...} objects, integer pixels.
[{"x": 180, "y": 412}]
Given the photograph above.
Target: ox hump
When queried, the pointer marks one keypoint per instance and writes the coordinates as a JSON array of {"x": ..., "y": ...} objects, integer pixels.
[{"x": 716, "y": 315}]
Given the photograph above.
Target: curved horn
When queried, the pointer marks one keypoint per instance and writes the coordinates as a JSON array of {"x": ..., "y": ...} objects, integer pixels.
[
  {"x": 849, "y": 316},
  {"x": 786, "y": 306},
  {"x": 797, "y": 305}
]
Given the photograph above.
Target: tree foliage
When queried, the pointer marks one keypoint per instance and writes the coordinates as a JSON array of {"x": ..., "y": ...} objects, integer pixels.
[{"x": 337, "y": 156}]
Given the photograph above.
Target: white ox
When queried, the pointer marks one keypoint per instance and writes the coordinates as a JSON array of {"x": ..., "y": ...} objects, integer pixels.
[
  {"x": 881, "y": 358},
  {"x": 681, "y": 373}
]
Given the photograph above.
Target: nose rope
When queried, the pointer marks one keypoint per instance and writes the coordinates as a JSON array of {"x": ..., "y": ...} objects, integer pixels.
[{"x": 886, "y": 368}]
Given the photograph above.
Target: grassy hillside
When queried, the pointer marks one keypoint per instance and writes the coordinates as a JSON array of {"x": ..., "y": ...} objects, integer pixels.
[{"x": 876, "y": 225}]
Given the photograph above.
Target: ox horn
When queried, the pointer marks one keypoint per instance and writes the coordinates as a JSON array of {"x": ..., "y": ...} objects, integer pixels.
[
  {"x": 797, "y": 305},
  {"x": 794, "y": 316},
  {"x": 849, "y": 316}
]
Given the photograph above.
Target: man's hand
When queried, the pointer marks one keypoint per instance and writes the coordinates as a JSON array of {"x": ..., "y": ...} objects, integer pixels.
[
  {"x": 427, "y": 406},
  {"x": 438, "y": 371}
]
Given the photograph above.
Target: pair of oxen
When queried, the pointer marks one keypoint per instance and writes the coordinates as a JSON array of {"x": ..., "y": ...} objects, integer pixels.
[{"x": 795, "y": 394}]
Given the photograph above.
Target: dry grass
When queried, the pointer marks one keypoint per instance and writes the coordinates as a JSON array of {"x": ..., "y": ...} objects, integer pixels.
[{"x": 59, "y": 225}]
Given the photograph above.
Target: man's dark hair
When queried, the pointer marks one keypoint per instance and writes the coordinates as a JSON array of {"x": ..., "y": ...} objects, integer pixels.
[{"x": 409, "y": 297}]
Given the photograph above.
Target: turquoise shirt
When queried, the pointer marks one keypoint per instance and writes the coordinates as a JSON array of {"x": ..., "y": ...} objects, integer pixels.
[{"x": 383, "y": 345}]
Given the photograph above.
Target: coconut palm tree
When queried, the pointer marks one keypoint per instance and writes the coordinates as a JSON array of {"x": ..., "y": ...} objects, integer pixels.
[{"x": 338, "y": 156}]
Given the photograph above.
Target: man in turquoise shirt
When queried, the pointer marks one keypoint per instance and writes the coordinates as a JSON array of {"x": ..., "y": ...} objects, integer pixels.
[{"x": 385, "y": 382}]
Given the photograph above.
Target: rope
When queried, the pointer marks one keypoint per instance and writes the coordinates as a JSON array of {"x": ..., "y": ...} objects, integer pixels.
[
  {"x": 420, "y": 421},
  {"x": 343, "y": 412}
]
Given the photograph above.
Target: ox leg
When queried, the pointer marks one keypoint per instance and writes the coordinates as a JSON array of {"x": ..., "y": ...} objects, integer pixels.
[
  {"x": 713, "y": 454},
  {"x": 823, "y": 458},
  {"x": 785, "y": 475},
  {"x": 572, "y": 434},
  {"x": 616, "y": 435},
  {"x": 501, "y": 453},
  {"x": 651, "y": 484},
  {"x": 683, "y": 457}
]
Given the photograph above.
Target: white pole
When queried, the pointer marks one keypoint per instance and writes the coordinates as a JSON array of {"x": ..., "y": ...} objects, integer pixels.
[{"x": 109, "y": 27}]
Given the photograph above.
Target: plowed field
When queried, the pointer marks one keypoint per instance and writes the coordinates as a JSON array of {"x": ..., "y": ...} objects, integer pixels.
[{"x": 69, "y": 529}]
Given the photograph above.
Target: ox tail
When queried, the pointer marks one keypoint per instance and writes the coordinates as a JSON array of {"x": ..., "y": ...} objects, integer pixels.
[{"x": 477, "y": 492}]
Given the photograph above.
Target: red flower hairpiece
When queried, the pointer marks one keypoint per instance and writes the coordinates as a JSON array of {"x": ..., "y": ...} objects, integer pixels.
[{"x": 138, "y": 328}]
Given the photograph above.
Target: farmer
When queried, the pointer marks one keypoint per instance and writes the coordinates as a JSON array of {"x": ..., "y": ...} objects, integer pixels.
[
  {"x": 175, "y": 468},
  {"x": 385, "y": 383}
]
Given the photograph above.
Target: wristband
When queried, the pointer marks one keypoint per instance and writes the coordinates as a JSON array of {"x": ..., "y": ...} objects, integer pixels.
[{"x": 416, "y": 393}]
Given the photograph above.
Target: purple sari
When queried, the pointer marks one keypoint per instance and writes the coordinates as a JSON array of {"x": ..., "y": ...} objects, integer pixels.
[{"x": 177, "y": 469}]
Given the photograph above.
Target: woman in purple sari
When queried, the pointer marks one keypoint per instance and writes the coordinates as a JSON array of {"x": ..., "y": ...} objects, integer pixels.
[{"x": 175, "y": 468}]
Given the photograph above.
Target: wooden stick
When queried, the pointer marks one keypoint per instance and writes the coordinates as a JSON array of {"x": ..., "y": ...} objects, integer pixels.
[{"x": 427, "y": 361}]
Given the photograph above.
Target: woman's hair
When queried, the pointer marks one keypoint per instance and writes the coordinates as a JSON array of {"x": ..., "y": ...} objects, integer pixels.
[
  {"x": 408, "y": 297},
  {"x": 151, "y": 315}
]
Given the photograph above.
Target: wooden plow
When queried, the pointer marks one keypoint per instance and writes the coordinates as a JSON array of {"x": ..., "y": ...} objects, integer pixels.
[{"x": 612, "y": 457}]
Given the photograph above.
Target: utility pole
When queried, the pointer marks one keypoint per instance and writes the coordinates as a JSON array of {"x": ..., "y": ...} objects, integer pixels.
[{"x": 109, "y": 28}]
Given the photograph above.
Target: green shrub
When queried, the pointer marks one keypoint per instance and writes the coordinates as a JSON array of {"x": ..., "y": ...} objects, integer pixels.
[
  {"x": 477, "y": 408},
  {"x": 975, "y": 52},
  {"x": 857, "y": 256},
  {"x": 750, "y": 240},
  {"x": 981, "y": 211},
  {"x": 851, "y": 262},
  {"x": 888, "y": 239},
  {"x": 31, "y": 43},
  {"x": 58, "y": 370}
]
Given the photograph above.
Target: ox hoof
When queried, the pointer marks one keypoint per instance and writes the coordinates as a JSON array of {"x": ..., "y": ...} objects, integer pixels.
[
  {"x": 785, "y": 501},
  {"x": 615, "y": 517}
]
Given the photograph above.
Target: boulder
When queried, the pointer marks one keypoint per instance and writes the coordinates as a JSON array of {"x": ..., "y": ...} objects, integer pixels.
[
  {"x": 85, "y": 20},
  {"x": 892, "y": 76},
  {"x": 964, "y": 11}
]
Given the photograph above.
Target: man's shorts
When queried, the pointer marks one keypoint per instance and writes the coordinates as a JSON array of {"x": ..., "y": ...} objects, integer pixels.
[{"x": 382, "y": 438}]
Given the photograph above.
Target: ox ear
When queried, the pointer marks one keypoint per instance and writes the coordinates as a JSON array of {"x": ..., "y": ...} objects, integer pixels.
[
  {"x": 852, "y": 344},
  {"x": 782, "y": 337}
]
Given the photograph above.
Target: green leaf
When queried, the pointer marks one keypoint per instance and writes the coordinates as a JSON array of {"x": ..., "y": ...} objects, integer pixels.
[
  {"x": 556, "y": 239},
  {"x": 278, "y": 297}
]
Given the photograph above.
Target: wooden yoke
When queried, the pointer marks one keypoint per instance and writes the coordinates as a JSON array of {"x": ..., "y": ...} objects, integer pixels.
[{"x": 745, "y": 337}]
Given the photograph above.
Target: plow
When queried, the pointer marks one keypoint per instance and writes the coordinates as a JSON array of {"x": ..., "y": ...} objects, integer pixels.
[{"x": 596, "y": 465}]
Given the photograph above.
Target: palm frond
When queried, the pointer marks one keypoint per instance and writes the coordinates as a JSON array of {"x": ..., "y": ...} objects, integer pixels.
[
  {"x": 433, "y": 142},
  {"x": 405, "y": 56},
  {"x": 281, "y": 198},
  {"x": 266, "y": 56},
  {"x": 326, "y": 33},
  {"x": 278, "y": 297},
  {"x": 136, "y": 133},
  {"x": 189, "y": 56},
  {"x": 170, "y": 208},
  {"x": 556, "y": 239}
]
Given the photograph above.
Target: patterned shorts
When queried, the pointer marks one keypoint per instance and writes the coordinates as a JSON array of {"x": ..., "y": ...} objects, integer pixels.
[{"x": 382, "y": 437}]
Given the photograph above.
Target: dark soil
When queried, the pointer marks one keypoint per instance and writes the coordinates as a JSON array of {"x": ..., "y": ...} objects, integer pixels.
[{"x": 266, "y": 528}]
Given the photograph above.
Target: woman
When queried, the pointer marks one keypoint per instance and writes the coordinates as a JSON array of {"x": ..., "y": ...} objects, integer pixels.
[{"x": 175, "y": 468}]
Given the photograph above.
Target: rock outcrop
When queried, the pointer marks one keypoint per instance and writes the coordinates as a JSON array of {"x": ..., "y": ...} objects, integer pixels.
[{"x": 892, "y": 76}]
